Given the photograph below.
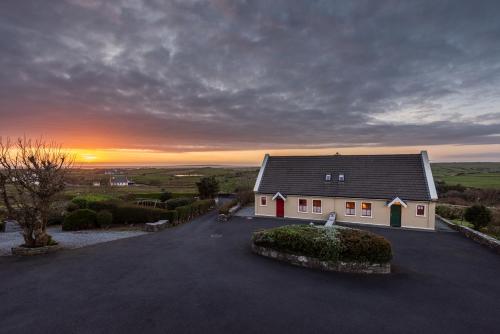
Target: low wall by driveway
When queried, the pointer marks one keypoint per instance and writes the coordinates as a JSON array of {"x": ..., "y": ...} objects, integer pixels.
[
  {"x": 314, "y": 263},
  {"x": 478, "y": 237}
]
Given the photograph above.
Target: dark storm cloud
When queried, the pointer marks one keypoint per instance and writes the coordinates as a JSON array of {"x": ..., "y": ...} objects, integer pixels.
[{"x": 189, "y": 75}]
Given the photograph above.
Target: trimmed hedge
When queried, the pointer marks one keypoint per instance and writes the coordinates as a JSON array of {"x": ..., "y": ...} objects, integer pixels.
[
  {"x": 202, "y": 206},
  {"x": 187, "y": 212},
  {"x": 80, "y": 219},
  {"x": 335, "y": 243},
  {"x": 172, "y": 216},
  {"x": 134, "y": 214},
  {"x": 184, "y": 213},
  {"x": 132, "y": 197},
  {"x": 174, "y": 203},
  {"x": 116, "y": 212},
  {"x": 84, "y": 201},
  {"x": 109, "y": 205},
  {"x": 104, "y": 218}
]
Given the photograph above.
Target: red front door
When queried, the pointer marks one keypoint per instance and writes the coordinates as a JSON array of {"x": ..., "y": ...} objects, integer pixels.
[{"x": 280, "y": 207}]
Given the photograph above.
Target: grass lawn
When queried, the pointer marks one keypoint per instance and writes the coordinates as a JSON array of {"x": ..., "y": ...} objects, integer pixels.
[{"x": 462, "y": 223}]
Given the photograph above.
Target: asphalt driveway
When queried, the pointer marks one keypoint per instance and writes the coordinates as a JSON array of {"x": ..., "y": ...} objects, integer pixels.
[{"x": 202, "y": 278}]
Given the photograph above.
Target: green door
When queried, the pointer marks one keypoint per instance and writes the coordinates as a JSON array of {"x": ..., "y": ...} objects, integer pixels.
[{"x": 396, "y": 215}]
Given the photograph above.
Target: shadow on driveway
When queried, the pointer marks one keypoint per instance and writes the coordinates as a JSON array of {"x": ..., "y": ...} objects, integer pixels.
[{"x": 202, "y": 277}]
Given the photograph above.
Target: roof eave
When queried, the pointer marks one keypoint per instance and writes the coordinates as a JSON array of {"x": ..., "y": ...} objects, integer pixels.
[
  {"x": 261, "y": 173},
  {"x": 428, "y": 175}
]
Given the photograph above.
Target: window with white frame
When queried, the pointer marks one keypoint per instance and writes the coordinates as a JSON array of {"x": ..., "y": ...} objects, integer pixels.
[
  {"x": 366, "y": 209},
  {"x": 263, "y": 200},
  {"x": 350, "y": 208},
  {"x": 316, "y": 206},
  {"x": 302, "y": 205},
  {"x": 420, "y": 210},
  {"x": 341, "y": 178}
]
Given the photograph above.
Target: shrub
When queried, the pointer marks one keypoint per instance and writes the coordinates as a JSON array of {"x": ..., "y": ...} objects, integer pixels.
[
  {"x": 104, "y": 218},
  {"x": 109, "y": 205},
  {"x": 478, "y": 215},
  {"x": 174, "y": 203},
  {"x": 165, "y": 196},
  {"x": 72, "y": 207},
  {"x": 80, "y": 219},
  {"x": 202, "y": 206},
  {"x": 363, "y": 246},
  {"x": 208, "y": 187},
  {"x": 83, "y": 201},
  {"x": 2, "y": 226},
  {"x": 245, "y": 196},
  {"x": 224, "y": 209},
  {"x": 184, "y": 213},
  {"x": 55, "y": 219},
  {"x": 172, "y": 216},
  {"x": 450, "y": 212},
  {"x": 326, "y": 243}
]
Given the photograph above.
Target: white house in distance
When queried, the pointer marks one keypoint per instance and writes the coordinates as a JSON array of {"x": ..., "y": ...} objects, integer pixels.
[
  {"x": 392, "y": 190},
  {"x": 119, "y": 181}
]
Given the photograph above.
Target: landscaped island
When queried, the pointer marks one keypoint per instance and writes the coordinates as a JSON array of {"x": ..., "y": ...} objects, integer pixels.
[{"x": 335, "y": 248}]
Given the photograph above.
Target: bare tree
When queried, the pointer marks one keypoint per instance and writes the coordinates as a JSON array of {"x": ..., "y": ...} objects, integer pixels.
[{"x": 32, "y": 174}]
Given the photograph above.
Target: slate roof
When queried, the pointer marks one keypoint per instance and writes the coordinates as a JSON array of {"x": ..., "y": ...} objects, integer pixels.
[{"x": 366, "y": 176}]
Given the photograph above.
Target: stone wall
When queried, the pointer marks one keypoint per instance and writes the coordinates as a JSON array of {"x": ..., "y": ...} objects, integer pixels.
[
  {"x": 314, "y": 263},
  {"x": 483, "y": 239},
  {"x": 26, "y": 251}
]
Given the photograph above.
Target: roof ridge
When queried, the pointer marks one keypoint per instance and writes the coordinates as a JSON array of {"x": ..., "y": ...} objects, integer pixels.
[{"x": 345, "y": 155}]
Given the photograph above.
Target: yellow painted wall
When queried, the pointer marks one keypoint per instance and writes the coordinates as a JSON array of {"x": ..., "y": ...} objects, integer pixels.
[{"x": 380, "y": 211}]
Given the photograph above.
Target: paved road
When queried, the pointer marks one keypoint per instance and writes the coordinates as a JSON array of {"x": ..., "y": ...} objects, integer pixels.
[{"x": 202, "y": 278}]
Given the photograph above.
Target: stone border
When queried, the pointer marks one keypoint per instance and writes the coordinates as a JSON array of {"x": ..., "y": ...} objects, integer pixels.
[
  {"x": 157, "y": 226},
  {"x": 314, "y": 263},
  {"x": 26, "y": 251},
  {"x": 478, "y": 237},
  {"x": 222, "y": 218}
]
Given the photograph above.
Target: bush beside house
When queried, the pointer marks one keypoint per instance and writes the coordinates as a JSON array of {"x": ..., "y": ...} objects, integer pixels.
[{"x": 478, "y": 215}]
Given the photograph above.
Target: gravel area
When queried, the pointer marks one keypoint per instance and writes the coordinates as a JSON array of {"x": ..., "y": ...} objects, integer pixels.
[
  {"x": 247, "y": 211},
  {"x": 74, "y": 239}
]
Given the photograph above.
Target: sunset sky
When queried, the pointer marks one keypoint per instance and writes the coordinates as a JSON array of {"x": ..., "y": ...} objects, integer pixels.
[{"x": 223, "y": 82}]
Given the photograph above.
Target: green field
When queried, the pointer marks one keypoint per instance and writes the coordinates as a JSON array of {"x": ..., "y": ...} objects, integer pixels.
[
  {"x": 156, "y": 180},
  {"x": 468, "y": 174}
]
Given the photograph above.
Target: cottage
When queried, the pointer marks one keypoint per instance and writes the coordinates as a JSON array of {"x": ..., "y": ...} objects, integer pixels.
[
  {"x": 392, "y": 190},
  {"x": 119, "y": 181}
]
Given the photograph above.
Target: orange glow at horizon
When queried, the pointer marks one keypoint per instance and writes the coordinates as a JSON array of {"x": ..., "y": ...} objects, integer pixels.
[{"x": 89, "y": 157}]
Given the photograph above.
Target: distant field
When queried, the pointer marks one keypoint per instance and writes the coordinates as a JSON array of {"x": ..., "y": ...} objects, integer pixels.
[
  {"x": 469, "y": 174},
  {"x": 154, "y": 180}
]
